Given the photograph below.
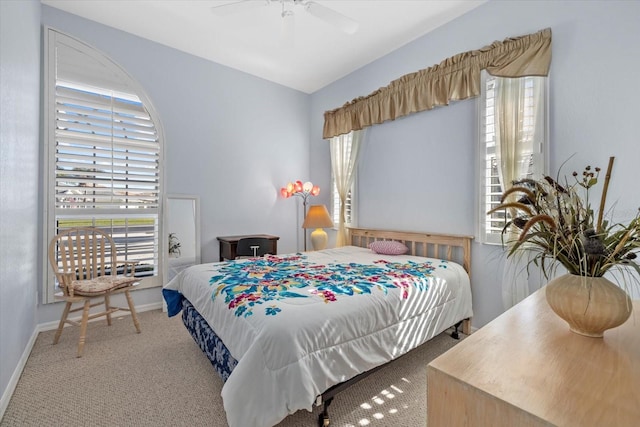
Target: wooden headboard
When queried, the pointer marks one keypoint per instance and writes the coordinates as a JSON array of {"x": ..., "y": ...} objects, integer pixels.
[{"x": 451, "y": 247}]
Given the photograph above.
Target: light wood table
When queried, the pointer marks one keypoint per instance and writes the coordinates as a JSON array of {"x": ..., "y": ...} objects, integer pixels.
[{"x": 526, "y": 368}]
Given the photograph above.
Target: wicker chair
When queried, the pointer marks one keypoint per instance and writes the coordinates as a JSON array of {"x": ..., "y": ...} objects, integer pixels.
[{"x": 84, "y": 262}]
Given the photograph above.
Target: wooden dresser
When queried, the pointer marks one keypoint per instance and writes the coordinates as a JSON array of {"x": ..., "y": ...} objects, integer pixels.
[{"x": 526, "y": 368}]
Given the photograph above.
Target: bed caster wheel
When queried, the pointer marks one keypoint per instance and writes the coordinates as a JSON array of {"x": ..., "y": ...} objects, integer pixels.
[{"x": 323, "y": 421}]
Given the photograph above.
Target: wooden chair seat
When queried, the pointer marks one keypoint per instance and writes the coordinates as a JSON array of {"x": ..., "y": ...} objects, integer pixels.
[
  {"x": 85, "y": 263},
  {"x": 101, "y": 285}
]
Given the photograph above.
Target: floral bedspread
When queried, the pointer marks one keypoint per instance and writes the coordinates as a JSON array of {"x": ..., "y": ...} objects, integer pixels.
[
  {"x": 298, "y": 324},
  {"x": 252, "y": 285}
]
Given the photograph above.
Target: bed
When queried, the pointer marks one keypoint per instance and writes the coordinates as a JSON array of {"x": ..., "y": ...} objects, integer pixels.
[{"x": 289, "y": 331}]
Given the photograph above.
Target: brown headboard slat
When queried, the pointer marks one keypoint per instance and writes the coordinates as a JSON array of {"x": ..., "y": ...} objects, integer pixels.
[{"x": 451, "y": 247}]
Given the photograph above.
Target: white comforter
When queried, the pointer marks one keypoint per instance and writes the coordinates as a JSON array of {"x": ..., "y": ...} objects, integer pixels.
[{"x": 292, "y": 341}]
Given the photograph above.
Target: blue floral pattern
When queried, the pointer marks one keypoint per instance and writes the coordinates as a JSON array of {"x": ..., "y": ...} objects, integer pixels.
[
  {"x": 208, "y": 341},
  {"x": 246, "y": 285}
]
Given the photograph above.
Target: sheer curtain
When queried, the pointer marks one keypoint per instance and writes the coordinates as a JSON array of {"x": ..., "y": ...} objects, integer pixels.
[
  {"x": 345, "y": 150},
  {"x": 519, "y": 135}
]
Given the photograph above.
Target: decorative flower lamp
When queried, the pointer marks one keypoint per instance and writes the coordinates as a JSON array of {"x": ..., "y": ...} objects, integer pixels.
[
  {"x": 303, "y": 191},
  {"x": 318, "y": 218}
]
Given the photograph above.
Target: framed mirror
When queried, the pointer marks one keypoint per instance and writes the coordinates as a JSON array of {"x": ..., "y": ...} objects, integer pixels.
[{"x": 182, "y": 225}]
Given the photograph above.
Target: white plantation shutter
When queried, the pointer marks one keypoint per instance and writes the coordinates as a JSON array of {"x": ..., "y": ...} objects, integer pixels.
[
  {"x": 335, "y": 205},
  {"x": 107, "y": 151},
  {"x": 103, "y": 153},
  {"x": 335, "y": 197},
  {"x": 532, "y": 132},
  {"x": 135, "y": 237},
  {"x": 493, "y": 224}
]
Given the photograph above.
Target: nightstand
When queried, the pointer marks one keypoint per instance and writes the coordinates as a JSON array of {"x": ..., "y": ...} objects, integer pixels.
[{"x": 228, "y": 244}]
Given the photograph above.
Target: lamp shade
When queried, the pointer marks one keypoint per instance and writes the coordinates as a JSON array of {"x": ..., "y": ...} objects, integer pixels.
[{"x": 317, "y": 217}]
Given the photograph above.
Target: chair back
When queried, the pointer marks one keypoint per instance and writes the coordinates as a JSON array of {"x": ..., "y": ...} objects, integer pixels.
[
  {"x": 252, "y": 247},
  {"x": 82, "y": 253}
]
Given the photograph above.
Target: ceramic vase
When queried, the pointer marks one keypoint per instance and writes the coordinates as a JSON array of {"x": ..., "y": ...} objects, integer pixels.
[{"x": 590, "y": 305}]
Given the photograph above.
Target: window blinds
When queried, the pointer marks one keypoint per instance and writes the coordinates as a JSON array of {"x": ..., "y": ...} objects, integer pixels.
[
  {"x": 103, "y": 153},
  {"x": 107, "y": 151}
]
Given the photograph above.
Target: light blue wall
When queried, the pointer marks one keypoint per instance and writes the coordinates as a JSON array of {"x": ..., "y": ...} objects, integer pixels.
[
  {"x": 418, "y": 172},
  {"x": 19, "y": 199},
  {"x": 231, "y": 138},
  {"x": 234, "y": 139}
]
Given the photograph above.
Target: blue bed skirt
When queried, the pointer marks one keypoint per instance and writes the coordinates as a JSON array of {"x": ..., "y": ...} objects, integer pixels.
[{"x": 203, "y": 335}]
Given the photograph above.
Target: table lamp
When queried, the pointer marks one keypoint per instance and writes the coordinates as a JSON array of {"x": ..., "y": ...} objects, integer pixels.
[{"x": 318, "y": 218}]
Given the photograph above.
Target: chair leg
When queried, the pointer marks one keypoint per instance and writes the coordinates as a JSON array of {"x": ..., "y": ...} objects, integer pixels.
[
  {"x": 107, "y": 307},
  {"x": 83, "y": 326},
  {"x": 63, "y": 319},
  {"x": 132, "y": 309}
]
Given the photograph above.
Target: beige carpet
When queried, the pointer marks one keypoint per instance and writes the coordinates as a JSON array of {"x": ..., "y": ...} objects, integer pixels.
[{"x": 161, "y": 378}]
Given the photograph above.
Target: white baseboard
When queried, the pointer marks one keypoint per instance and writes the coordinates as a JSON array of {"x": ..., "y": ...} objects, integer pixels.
[
  {"x": 13, "y": 382},
  {"x": 48, "y": 326}
]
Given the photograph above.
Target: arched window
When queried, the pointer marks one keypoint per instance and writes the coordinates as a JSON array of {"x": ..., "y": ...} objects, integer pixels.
[{"x": 103, "y": 154}]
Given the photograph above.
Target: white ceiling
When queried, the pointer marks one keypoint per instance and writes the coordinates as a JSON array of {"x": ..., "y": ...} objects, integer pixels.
[{"x": 251, "y": 41}]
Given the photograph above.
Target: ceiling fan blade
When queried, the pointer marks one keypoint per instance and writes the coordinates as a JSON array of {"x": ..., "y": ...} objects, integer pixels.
[
  {"x": 345, "y": 23},
  {"x": 238, "y": 6}
]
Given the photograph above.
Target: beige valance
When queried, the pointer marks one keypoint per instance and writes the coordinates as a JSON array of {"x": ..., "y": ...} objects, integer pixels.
[{"x": 455, "y": 78}]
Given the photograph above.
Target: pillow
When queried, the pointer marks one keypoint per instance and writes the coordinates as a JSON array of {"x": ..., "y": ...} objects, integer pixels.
[{"x": 388, "y": 247}]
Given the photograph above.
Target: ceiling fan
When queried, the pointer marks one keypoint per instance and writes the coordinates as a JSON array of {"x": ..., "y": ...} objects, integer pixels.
[{"x": 324, "y": 13}]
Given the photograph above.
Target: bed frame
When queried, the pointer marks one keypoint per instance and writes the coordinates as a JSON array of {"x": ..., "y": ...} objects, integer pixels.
[
  {"x": 450, "y": 247},
  {"x": 456, "y": 248}
]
